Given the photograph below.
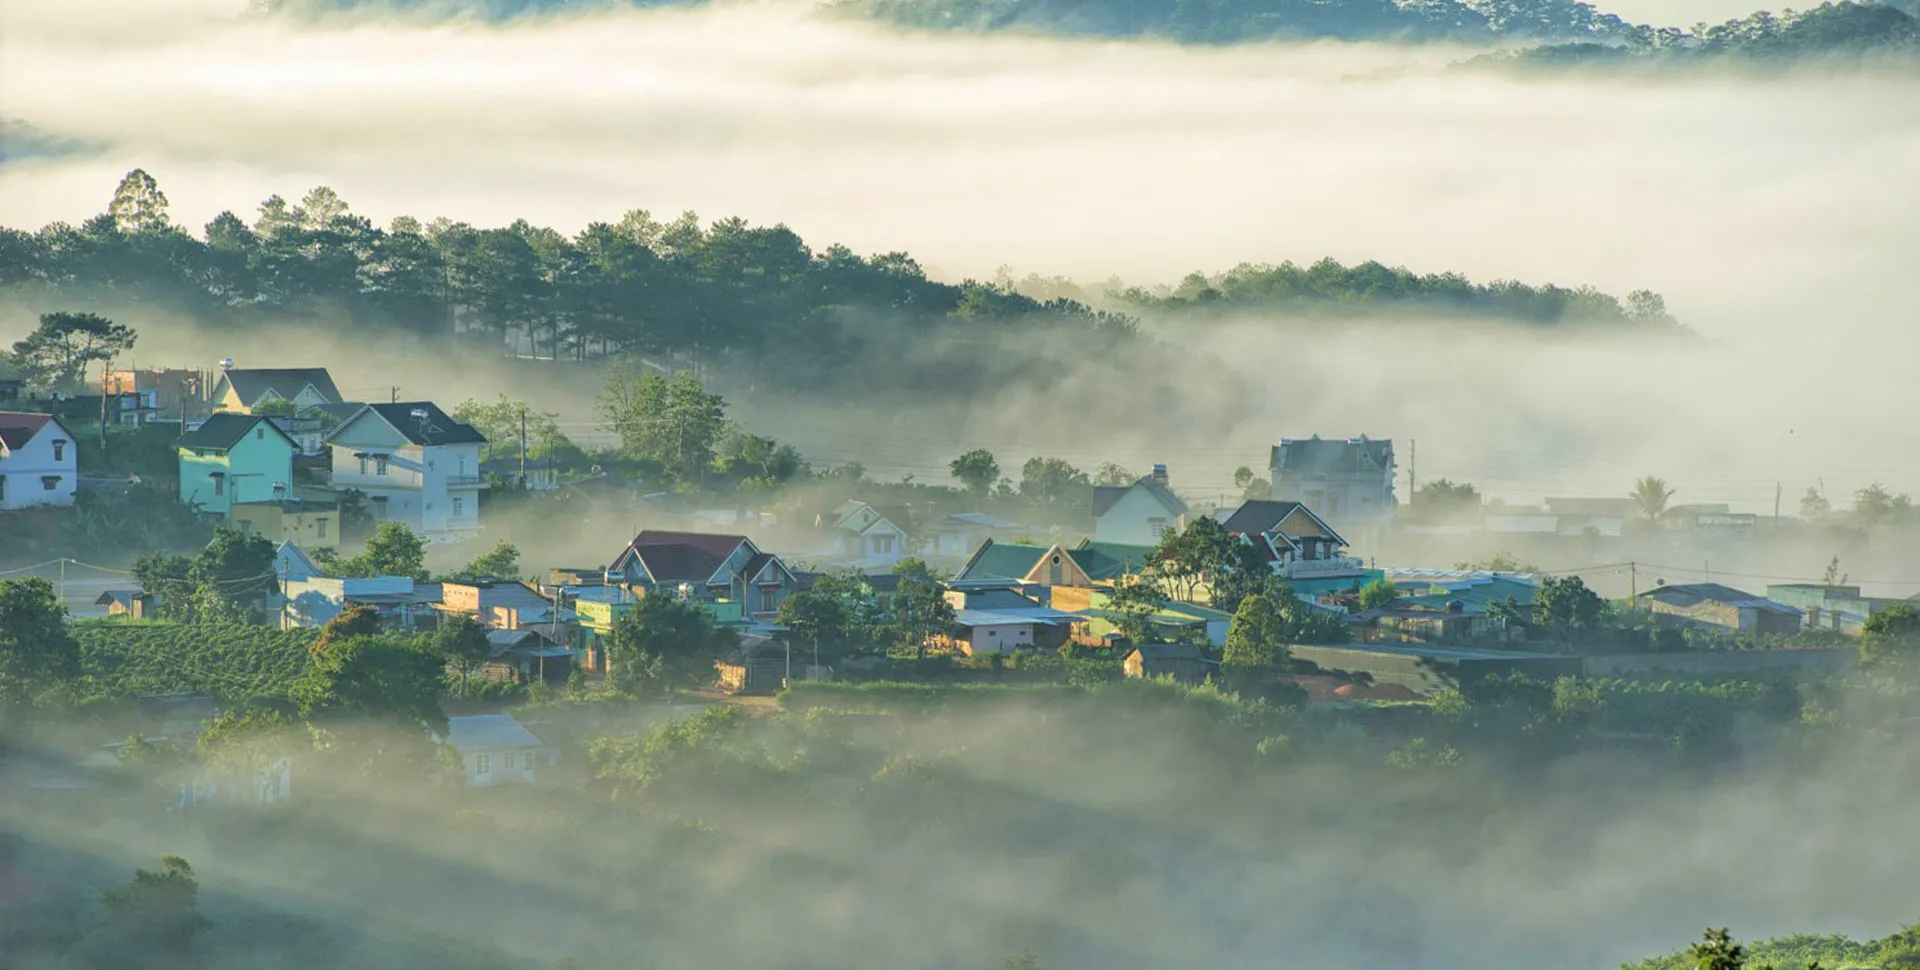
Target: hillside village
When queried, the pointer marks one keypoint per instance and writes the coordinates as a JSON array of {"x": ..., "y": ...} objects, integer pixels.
[{"x": 1141, "y": 582}]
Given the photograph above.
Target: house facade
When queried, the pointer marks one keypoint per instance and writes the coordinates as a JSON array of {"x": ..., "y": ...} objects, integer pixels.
[
  {"x": 39, "y": 461},
  {"x": 1712, "y": 604},
  {"x": 1299, "y": 546},
  {"x": 1137, "y": 514},
  {"x": 234, "y": 458},
  {"x": 415, "y": 464},
  {"x": 863, "y": 537},
  {"x": 1349, "y": 482},
  {"x": 1086, "y": 564},
  {"x": 312, "y": 524},
  {"x": 1183, "y": 662},
  {"x": 495, "y": 749},
  {"x": 169, "y": 394},
  {"x": 1838, "y": 608},
  {"x": 245, "y": 390},
  {"x": 705, "y": 566}
]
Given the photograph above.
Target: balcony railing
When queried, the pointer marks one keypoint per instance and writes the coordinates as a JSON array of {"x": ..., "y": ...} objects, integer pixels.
[
  {"x": 1318, "y": 567},
  {"x": 463, "y": 481}
]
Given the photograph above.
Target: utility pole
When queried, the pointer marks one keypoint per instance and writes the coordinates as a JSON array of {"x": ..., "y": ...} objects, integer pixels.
[
  {"x": 106, "y": 369},
  {"x": 1413, "y": 470},
  {"x": 1633, "y": 583},
  {"x": 285, "y": 565},
  {"x": 1776, "y": 503},
  {"x": 63, "y": 581},
  {"x": 393, "y": 394},
  {"x": 523, "y": 446}
]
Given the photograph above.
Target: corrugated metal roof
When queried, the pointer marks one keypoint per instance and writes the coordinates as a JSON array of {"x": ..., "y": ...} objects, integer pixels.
[{"x": 480, "y": 732}]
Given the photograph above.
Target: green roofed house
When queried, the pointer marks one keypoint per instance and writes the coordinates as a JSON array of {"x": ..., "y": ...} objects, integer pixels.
[
  {"x": 1084, "y": 565},
  {"x": 232, "y": 458}
]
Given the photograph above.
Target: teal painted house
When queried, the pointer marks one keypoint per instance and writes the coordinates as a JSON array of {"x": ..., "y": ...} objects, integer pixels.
[{"x": 234, "y": 458}]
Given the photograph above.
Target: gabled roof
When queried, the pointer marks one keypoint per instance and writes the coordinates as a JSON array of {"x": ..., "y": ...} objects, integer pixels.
[
  {"x": 1259, "y": 516},
  {"x": 1001, "y": 560},
  {"x": 253, "y": 383},
  {"x": 1317, "y": 456},
  {"x": 225, "y": 429},
  {"x": 18, "y": 427},
  {"x": 480, "y": 732},
  {"x": 1106, "y": 496},
  {"x": 431, "y": 427},
  {"x": 973, "y": 520},
  {"x": 292, "y": 564},
  {"x": 683, "y": 557},
  {"x": 1690, "y": 594},
  {"x": 1264, "y": 517},
  {"x": 1110, "y": 560}
]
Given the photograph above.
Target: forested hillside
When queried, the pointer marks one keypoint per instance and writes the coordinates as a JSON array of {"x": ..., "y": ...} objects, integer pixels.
[
  {"x": 1832, "y": 32},
  {"x": 718, "y": 291}
]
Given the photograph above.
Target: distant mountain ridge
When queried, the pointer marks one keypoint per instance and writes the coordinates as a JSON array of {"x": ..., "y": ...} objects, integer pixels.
[{"x": 1554, "y": 33}]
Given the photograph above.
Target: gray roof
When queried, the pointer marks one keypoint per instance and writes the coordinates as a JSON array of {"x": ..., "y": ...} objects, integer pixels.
[
  {"x": 1337, "y": 456},
  {"x": 1038, "y": 615},
  {"x": 1258, "y": 516},
  {"x": 1105, "y": 496},
  {"x": 254, "y": 382},
  {"x": 481, "y": 732},
  {"x": 223, "y": 430},
  {"x": 1690, "y": 594},
  {"x": 435, "y": 428}
]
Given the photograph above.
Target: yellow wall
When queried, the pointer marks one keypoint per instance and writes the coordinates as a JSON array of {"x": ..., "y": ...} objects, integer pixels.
[{"x": 308, "y": 529}]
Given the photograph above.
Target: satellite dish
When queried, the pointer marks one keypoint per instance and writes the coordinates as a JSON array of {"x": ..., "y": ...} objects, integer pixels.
[
  {"x": 226, "y": 362},
  {"x": 419, "y": 414}
]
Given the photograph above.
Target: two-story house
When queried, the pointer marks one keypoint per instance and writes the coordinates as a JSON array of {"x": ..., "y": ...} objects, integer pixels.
[
  {"x": 246, "y": 390},
  {"x": 234, "y": 458},
  {"x": 1136, "y": 514},
  {"x": 1299, "y": 546},
  {"x": 1349, "y": 481},
  {"x": 863, "y": 537},
  {"x": 705, "y": 566},
  {"x": 38, "y": 461},
  {"x": 415, "y": 465}
]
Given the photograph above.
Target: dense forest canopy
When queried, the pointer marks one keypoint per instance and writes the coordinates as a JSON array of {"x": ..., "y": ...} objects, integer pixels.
[{"x": 724, "y": 289}]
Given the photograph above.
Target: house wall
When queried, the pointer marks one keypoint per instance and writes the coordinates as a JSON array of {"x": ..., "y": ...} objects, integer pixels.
[
  {"x": 1136, "y": 519},
  {"x": 24, "y": 473},
  {"x": 500, "y": 766},
  {"x": 1359, "y": 499},
  {"x": 433, "y": 489},
  {"x": 1706, "y": 611},
  {"x": 250, "y": 467},
  {"x": 310, "y": 528},
  {"x": 994, "y": 638}
]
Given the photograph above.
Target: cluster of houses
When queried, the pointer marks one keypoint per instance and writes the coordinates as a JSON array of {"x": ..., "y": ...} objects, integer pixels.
[{"x": 271, "y": 452}]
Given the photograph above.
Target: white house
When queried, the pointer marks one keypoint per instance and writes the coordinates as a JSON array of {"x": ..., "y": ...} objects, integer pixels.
[
  {"x": 39, "y": 464},
  {"x": 415, "y": 464},
  {"x": 864, "y": 538},
  {"x": 1135, "y": 514},
  {"x": 495, "y": 748},
  {"x": 1348, "y": 481}
]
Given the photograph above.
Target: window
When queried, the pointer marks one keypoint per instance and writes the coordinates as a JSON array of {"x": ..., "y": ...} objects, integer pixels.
[
  {"x": 883, "y": 544},
  {"x": 259, "y": 434},
  {"x": 363, "y": 466},
  {"x": 1156, "y": 525},
  {"x": 219, "y": 484},
  {"x": 380, "y": 465},
  {"x": 320, "y": 528},
  {"x": 458, "y": 503},
  {"x": 483, "y": 764},
  {"x": 767, "y": 595},
  {"x": 506, "y": 761},
  {"x": 49, "y": 481},
  {"x": 59, "y": 449}
]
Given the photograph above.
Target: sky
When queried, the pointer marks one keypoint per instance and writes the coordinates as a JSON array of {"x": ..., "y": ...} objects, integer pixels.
[{"x": 1778, "y": 216}]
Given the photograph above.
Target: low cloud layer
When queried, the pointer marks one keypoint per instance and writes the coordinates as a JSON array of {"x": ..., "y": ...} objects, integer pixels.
[{"x": 1779, "y": 216}]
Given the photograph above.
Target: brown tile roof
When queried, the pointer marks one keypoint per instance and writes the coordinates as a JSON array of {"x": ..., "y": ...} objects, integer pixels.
[{"x": 18, "y": 427}]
